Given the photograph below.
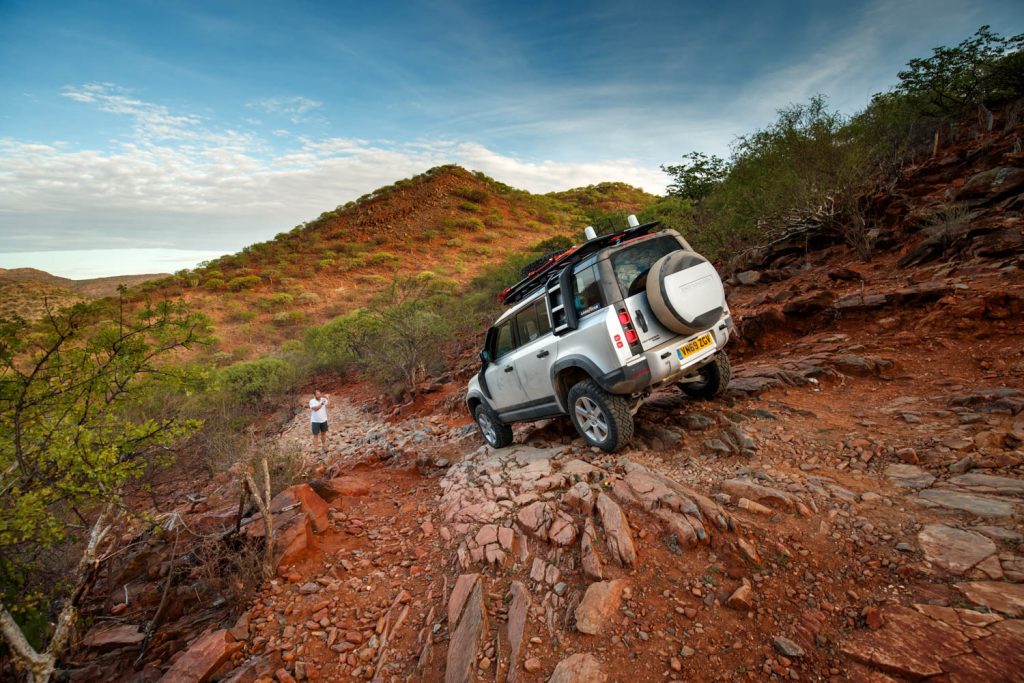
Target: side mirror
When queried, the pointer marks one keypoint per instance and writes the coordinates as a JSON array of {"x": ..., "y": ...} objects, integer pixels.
[{"x": 485, "y": 356}]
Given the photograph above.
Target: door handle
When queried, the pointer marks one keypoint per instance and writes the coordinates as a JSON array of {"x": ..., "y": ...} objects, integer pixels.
[
  {"x": 543, "y": 353},
  {"x": 509, "y": 368},
  {"x": 641, "y": 319}
]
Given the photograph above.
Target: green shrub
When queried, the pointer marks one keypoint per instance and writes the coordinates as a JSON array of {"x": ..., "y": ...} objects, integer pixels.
[
  {"x": 308, "y": 299},
  {"x": 454, "y": 242},
  {"x": 384, "y": 257},
  {"x": 494, "y": 220},
  {"x": 256, "y": 380},
  {"x": 472, "y": 194},
  {"x": 244, "y": 282},
  {"x": 471, "y": 224},
  {"x": 214, "y": 284},
  {"x": 288, "y": 318},
  {"x": 472, "y": 207}
]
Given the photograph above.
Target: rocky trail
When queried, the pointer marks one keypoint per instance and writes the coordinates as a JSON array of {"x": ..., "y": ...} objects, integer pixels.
[{"x": 851, "y": 510}]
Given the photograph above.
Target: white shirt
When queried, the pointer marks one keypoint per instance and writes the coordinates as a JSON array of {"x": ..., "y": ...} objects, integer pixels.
[{"x": 318, "y": 410}]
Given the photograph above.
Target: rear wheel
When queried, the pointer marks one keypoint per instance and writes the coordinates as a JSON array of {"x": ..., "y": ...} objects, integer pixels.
[
  {"x": 602, "y": 419},
  {"x": 714, "y": 378},
  {"x": 496, "y": 433}
]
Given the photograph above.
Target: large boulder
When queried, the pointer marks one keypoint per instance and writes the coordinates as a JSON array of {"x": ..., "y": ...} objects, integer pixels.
[
  {"x": 202, "y": 659},
  {"x": 599, "y": 606},
  {"x": 579, "y": 668}
]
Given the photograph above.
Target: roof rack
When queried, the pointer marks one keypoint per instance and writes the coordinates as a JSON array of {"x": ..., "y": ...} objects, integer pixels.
[{"x": 573, "y": 255}]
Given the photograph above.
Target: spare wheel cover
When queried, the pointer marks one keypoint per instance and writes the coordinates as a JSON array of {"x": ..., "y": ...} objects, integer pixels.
[{"x": 685, "y": 292}]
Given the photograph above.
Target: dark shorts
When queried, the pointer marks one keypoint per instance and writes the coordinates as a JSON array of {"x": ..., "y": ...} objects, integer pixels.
[{"x": 318, "y": 427}]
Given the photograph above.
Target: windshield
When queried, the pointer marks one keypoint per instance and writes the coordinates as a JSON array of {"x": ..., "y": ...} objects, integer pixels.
[{"x": 632, "y": 263}]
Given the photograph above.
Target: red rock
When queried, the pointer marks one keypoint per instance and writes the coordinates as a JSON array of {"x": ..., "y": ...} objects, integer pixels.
[
  {"x": 312, "y": 504},
  {"x": 111, "y": 637},
  {"x": 283, "y": 676},
  {"x": 488, "y": 533},
  {"x": 463, "y": 587},
  {"x": 617, "y": 531},
  {"x": 742, "y": 598},
  {"x": 534, "y": 518},
  {"x": 599, "y": 605},
  {"x": 506, "y": 537},
  {"x": 1005, "y": 598},
  {"x": 589, "y": 557},
  {"x": 332, "y": 489},
  {"x": 562, "y": 531},
  {"x": 908, "y": 644},
  {"x": 579, "y": 668},
  {"x": 579, "y": 499},
  {"x": 202, "y": 659},
  {"x": 873, "y": 618},
  {"x": 517, "y": 614},
  {"x": 532, "y": 665},
  {"x": 470, "y": 624}
]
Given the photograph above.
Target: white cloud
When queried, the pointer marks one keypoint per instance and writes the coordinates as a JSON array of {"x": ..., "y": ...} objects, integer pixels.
[
  {"x": 296, "y": 109},
  {"x": 177, "y": 183}
]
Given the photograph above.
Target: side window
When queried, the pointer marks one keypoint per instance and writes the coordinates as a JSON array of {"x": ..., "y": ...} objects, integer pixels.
[
  {"x": 532, "y": 322},
  {"x": 588, "y": 291},
  {"x": 503, "y": 341}
]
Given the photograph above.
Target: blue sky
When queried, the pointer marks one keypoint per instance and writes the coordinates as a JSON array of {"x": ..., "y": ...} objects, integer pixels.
[{"x": 178, "y": 127}]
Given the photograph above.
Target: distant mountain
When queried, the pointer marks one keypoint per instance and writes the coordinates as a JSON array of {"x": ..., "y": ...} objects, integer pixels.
[{"x": 29, "y": 292}]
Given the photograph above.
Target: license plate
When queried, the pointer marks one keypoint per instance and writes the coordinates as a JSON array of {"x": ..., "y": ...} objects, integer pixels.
[{"x": 696, "y": 346}]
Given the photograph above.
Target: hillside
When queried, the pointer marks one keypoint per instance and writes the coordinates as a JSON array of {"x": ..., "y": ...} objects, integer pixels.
[
  {"x": 608, "y": 197},
  {"x": 28, "y": 291},
  {"x": 448, "y": 223}
]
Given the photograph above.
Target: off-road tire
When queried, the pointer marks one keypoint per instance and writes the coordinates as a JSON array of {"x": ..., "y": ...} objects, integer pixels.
[
  {"x": 607, "y": 416},
  {"x": 496, "y": 433},
  {"x": 715, "y": 378}
]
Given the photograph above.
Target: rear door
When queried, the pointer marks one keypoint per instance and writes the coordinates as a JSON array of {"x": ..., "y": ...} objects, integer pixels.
[
  {"x": 502, "y": 379},
  {"x": 537, "y": 351},
  {"x": 630, "y": 266}
]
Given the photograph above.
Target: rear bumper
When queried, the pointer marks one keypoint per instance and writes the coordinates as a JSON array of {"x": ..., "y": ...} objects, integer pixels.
[{"x": 665, "y": 365}]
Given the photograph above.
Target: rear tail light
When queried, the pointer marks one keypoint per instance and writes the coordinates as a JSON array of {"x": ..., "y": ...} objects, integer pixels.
[{"x": 632, "y": 338}]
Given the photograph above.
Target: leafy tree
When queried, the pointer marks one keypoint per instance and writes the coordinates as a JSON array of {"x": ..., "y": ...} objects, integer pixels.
[
  {"x": 697, "y": 177},
  {"x": 74, "y": 429},
  {"x": 983, "y": 69}
]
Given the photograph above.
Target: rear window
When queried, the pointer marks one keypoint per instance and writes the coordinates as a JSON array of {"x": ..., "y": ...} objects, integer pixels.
[
  {"x": 632, "y": 263},
  {"x": 587, "y": 298},
  {"x": 532, "y": 322}
]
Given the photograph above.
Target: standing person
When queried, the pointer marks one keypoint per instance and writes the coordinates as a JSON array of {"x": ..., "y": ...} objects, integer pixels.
[{"x": 318, "y": 418}]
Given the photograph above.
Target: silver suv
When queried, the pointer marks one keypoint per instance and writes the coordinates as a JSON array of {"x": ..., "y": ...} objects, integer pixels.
[{"x": 593, "y": 330}]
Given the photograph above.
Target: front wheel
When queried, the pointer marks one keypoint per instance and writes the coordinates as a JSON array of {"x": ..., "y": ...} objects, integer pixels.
[
  {"x": 496, "y": 433},
  {"x": 602, "y": 419},
  {"x": 714, "y": 378}
]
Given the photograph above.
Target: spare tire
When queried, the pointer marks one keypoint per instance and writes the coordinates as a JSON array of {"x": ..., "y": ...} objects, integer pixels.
[{"x": 685, "y": 292}]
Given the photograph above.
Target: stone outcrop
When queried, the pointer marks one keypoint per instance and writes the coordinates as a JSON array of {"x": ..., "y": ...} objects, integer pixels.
[{"x": 600, "y": 604}]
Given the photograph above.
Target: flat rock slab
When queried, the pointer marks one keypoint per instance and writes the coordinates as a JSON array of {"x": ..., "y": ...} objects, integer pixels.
[
  {"x": 981, "y": 506},
  {"x": 517, "y": 614},
  {"x": 579, "y": 668},
  {"x": 202, "y": 659},
  {"x": 909, "y": 476},
  {"x": 908, "y": 644},
  {"x": 952, "y": 549},
  {"x": 460, "y": 592},
  {"x": 998, "y": 596},
  {"x": 988, "y": 483},
  {"x": 465, "y": 639},
  {"x": 600, "y": 603},
  {"x": 110, "y": 637}
]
